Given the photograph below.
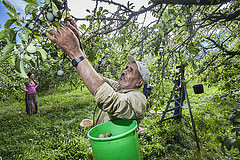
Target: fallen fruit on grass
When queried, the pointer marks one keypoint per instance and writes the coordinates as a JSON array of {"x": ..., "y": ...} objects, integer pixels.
[
  {"x": 31, "y": 49},
  {"x": 86, "y": 123}
]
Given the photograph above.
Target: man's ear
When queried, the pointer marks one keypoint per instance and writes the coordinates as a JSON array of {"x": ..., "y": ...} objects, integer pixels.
[{"x": 140, "y": 83}]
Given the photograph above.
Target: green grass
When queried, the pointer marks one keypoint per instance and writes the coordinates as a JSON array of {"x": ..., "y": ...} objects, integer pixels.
[
  {"x": 55, "y": 133},
  {"x": 175, "y": 140}
]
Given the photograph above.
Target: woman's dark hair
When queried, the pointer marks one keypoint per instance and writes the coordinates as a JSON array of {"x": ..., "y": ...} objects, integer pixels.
[{"x": 29, "y": 74}]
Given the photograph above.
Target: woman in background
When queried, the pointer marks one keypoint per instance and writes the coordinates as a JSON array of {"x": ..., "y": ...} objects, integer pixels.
[{"x": 31, "y": 96}]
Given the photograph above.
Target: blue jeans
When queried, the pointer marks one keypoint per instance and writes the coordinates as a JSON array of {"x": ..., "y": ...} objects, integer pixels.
[{"x": 177, "y": 103}]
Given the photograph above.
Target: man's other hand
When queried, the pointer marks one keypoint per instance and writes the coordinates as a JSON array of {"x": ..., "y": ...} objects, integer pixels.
[{"x": 65, "y": 38}]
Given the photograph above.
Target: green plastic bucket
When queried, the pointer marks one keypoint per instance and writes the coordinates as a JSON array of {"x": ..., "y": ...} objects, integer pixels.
[{"x": 123, "y": 145}]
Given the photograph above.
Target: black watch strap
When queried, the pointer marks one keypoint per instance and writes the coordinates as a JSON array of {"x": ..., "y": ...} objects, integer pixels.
[{"x": 77, "y": 60}]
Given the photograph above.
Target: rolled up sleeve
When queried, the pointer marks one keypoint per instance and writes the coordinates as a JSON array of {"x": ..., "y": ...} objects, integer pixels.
[{"x": 114, "y": 84}]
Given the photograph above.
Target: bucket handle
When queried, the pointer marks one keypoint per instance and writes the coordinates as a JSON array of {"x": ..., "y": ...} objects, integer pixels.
[
  {"x": 94, "y": 123},
  {"x": 134, "y": 114}
]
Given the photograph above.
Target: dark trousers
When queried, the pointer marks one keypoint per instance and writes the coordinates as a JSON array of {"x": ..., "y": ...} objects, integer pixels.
[
  {"x": 31, "y": 103},
  {"x": 177, "y": 103}
]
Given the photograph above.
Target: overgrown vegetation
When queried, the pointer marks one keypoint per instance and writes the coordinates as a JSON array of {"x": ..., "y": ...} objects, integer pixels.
[
  {"x": 203, "y": 37},
  {"x": 55, "y": 133}
]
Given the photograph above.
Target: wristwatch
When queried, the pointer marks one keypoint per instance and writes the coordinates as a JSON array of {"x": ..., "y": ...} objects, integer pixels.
[{"x": 77, "y": 60}]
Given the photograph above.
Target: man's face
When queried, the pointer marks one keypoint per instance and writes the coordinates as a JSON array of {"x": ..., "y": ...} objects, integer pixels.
[{"x": 129, "y": 77}]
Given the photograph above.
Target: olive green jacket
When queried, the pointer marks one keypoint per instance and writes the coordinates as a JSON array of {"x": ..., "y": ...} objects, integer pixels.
[{"x": 115, "y": 103}]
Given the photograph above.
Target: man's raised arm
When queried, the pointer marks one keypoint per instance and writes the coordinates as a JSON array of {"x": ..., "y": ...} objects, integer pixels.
[{"x": 65, "y": 38}]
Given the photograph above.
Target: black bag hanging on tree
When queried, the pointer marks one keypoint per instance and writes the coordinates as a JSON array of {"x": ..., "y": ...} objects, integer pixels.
[{"x": 198, "y": 89}]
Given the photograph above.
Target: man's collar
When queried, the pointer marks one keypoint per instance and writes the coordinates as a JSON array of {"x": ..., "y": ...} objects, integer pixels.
[{"x": 127, "y": 90}]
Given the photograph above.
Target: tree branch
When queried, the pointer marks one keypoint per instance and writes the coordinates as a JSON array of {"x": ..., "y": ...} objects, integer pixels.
[
  {"x": 230, "y": 53},
  {"x": 125, "y": 22},
  {"x": 224, "y": 17},
  {"x": 93, "y": 16},
  {"x": 116, "y": 4},
  {"x": 190, "y": 2},
  {"x": 102, "y": 19}
]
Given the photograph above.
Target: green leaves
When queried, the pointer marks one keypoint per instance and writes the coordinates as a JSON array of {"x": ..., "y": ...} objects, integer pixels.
[
  {"x": 128, "y": 47},
  {"x": 228, "y": 142},
  {"x": 8, "y": 48},
  {"x": 20, "y": 35},
  {"x": 30, "y": 9},
  {"x": 10, "y": 34},
  {"x": 9, "y": 6},
  {"x": 43, "y": 53},
  {"x": 4, "y": 58},
  {"x": 193, "y": 49},
  {"x": 83, "y": 27},
  {"x": 2, "y": 34},
  {"x": 130, "y": 5},
  {"x": 32, "y": 2},
  {"x": 54, "y": 7},
  {"x": 232, "y": 141},
  {"x": 17, "y": 64},
  {"x": 9, "y": 23},
  {"x": 19, "y": 68}
]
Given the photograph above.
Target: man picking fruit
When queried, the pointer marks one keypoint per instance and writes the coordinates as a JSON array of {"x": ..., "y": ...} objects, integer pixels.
[{"x": 116, "y": 100}]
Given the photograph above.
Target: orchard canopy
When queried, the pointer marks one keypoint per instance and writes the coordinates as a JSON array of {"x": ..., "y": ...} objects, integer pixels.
[{"x": 202, "y": 34}]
